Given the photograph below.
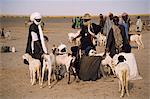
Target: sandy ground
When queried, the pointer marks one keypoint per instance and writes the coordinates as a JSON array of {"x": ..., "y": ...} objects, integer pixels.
[{"x": 14, "y": 74}]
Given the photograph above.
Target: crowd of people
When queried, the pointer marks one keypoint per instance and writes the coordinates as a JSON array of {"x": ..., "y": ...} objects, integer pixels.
[
  {"x": 115, "y": 29},
  {"x": 77, "y": 22}
]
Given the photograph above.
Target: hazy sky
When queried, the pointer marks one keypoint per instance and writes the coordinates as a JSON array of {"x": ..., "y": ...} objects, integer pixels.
[{"x": 73, "y": 7}]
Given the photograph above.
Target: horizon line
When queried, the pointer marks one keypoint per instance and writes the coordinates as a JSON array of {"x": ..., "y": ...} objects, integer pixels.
[{"x": 12, "y": 15}]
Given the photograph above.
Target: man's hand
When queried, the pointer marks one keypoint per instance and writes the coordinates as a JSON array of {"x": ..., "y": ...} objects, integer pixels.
[
  {"x": 107, "y": 50},
  {"x": 73, "y": 39}
]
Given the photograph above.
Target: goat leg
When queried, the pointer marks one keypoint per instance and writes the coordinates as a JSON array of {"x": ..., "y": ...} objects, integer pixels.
[
  {"x": 122, "y": 88},
  {"x": 34, "y": 80},
  {"x": 127, "y": 91},
  {"x": 43, "y": 70},
  {"x": 69, "y": 78},
  {"x": 119, "y": 86},
  {"x": 49, "y": 78}
]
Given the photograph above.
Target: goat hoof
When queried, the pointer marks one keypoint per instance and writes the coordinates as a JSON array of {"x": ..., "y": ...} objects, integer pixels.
[
  {"x": 49, "y": 86},
  {"x": 78, "y": 81},
  {"x": 68, "y": 82},
  {"x": 33, "y": 84},
  {"x": 121, "y": 96}
]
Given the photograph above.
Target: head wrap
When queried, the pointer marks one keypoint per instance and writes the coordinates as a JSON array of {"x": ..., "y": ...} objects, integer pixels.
[{"x": 35, "y": 16}]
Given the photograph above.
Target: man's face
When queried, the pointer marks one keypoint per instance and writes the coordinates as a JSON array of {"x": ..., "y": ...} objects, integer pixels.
[
  {"x": 101, "y": 17},
  {"x": 111, "y": 16},
  {"x": 116, "y": 20},
  {"x": 38, "y": 20},
  {"x": 86, "y": 22}
]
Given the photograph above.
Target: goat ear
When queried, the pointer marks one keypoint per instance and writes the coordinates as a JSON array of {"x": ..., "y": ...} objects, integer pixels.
[
  {"x": 125, "y": 59},
  {"x": 24, "y": 56},
  {"x": 42, "y": 56},
  {"x": 69, "y": 54}
]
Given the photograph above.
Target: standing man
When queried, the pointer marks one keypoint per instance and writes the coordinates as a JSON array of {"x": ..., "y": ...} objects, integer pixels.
[
  {"x": 139, "y": 24},
  {"x": 73, "y": 22},
  {"x": 108, "y": 24},
  {"x": 117, "y": 41},
  {"x": 77, "y": 23},
  {"x": 35, "y": 44},
  {"x": 101, "y": 22},
  {"x": 2, "y": 33},
  {"x": 126, "y": 23}
]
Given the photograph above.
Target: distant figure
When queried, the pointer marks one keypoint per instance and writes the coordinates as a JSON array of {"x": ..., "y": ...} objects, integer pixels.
[
  {"x": 139, "y": 24},
  {"x": 2, "y": 33},
  {"x": 126, "y": 23},
  {"x": 81, "y": 22},
  {"x": 77, "y": 23},
  {"x": 73, "y": 22},
  {"x": 101, "y": 22},
  {"x": 144, "y": 25},
  {"x": 108, "y": 24}
]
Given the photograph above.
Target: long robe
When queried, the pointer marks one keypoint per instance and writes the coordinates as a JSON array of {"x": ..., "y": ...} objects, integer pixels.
[
  {"x": 89, "y": 68},
  {"x": 38, "y": 50},
  {"x": 139, "y": 25},
  {"x": 111, "y": 40}
]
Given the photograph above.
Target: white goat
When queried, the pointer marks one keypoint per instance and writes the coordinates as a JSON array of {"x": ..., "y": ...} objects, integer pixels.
[
  {"x": 137, "y": 38},
  {"x": 64, "y": 59},
  {"x": 34, "y": 66},
  {"x": 47, "y": 64},
  {"x": 122, "y": 72},
  {"x": 71, "y": 36}
]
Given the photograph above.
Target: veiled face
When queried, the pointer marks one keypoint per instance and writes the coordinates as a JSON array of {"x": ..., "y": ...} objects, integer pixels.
[
  {"x": 111, "y": 16},
  {"x": 86, "y": 22},
  {"x": 116, "y": 20},
  {"x": 38, "y": 20}
]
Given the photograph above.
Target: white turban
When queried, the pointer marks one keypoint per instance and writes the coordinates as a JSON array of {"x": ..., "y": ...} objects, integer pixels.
[{"x": 34, "y": 16}]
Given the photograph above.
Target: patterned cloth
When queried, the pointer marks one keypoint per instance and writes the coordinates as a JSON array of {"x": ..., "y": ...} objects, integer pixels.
[
  {"x": 117, "y": 36},
  {"x": 89, "y": 68}
]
